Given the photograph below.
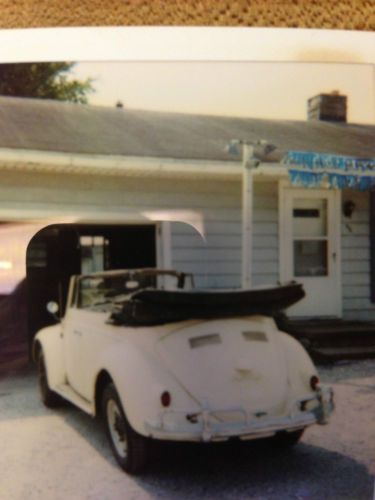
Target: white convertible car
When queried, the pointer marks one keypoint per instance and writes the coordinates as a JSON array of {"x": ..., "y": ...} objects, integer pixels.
[{"x": 158, "y": 359}]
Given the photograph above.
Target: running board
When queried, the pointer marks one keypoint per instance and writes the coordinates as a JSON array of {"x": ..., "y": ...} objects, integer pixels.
[{"x": 70, "y": 395}]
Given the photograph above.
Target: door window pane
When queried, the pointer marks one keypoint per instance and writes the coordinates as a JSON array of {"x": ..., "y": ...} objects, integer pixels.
[
  {"x": 310, "y": 258},
  {"x": 309, "y": 217},
  {"x": 93, "y": 253}
]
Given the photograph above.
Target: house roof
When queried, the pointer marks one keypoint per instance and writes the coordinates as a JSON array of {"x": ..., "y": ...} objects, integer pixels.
[{"x": 52, "y": 126}]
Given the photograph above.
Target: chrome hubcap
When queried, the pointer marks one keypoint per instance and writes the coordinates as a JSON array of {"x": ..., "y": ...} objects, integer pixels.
[{"x": 116, "y": 426}]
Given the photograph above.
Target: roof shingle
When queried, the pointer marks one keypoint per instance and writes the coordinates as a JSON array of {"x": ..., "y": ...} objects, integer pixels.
[{"x": 44, "y": 125}]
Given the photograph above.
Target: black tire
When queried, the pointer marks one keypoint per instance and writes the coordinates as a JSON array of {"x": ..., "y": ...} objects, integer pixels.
[
  {"x": 130, "y": 449},
  {"x": 287, "y": 439},
  {"x": 49, "y": 398}
]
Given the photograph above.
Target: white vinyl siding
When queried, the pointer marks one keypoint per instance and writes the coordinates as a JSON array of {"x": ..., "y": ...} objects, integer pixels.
[
  {"x": 265, "y": 239},
  {"x": 216, "y": 262},
  {"x": 214, "y": 259},
  {"x": 355, "y": 242}
]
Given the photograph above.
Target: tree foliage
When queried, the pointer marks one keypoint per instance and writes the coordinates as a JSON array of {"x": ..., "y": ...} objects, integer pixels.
[{"x": 43, "y": 80}]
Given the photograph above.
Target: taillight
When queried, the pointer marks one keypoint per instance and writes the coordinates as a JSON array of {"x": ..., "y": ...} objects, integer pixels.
[
  {"x": 165, "y": 399},
  {"x": 314, "y": 382}
]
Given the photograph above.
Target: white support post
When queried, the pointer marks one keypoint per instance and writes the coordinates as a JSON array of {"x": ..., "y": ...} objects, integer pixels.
[
  {"x": 247, "y": 215},
  {"x": 164, "y": 259}
]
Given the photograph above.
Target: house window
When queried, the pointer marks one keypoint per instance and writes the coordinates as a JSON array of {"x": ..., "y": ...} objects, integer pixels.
[
  {"x": 310, "y": 258},
  {"x": 310, "y": 237},
  {"x": 94, "y": 254}
]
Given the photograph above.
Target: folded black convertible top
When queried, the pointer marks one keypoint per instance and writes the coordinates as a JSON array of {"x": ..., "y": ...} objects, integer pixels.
[{"x": 155, "y": 307}]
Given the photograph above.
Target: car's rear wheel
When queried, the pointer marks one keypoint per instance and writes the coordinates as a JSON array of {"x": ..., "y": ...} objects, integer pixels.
[
  {"x": 129, "y": 448},
  {"x": 49, "y": 398}
]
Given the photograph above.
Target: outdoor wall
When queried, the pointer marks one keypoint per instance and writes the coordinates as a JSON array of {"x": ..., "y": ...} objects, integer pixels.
[
  {"x": 216, "y": 262},
  {"x": 215, "y": 259},
  {"x": 355, "y": 243},
  {"x": 356, "y": 258},
  {"x": 53, "y": 194},
  {"x": 217, "y": 203}
]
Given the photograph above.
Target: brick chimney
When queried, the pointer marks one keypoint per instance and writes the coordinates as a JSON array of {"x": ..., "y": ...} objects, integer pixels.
[{"x": 327, "y": 107}]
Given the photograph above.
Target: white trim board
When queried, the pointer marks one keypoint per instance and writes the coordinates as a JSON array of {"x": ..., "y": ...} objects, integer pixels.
[{"x": 54, "y": 162}]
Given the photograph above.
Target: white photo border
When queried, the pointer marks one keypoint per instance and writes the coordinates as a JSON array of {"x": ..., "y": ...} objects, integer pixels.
[{"x": 186, "y": 44}]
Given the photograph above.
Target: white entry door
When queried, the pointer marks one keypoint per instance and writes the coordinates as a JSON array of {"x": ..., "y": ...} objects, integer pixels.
[{"x": 310, "y": 248}]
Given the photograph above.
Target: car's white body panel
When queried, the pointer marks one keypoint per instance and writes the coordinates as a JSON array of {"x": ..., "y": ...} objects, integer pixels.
[
  {"x": 226, "y": 377},
  {"x": 50, "y": 338}
]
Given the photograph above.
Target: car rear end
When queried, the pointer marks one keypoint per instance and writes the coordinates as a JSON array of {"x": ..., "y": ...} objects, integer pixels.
[{"x": 236, "y": 377}]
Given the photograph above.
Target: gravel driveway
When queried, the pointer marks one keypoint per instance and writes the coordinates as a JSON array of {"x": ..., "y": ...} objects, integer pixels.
[{"x": 64, "y": 455}]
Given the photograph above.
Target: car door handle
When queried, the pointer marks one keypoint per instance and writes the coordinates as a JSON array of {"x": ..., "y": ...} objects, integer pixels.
[{"x": 78, "y": 333}]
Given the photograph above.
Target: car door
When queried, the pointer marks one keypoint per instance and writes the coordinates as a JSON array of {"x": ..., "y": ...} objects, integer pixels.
[
  {"x": 74, "y": 354},
  {"x": 85, "y": 339}
]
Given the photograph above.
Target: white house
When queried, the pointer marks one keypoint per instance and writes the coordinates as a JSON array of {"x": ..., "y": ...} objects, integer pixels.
[{"x": 93, "y": 167}]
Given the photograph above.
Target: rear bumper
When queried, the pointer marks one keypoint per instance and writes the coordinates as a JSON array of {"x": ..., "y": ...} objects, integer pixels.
[{"x": 205, "y": 425}]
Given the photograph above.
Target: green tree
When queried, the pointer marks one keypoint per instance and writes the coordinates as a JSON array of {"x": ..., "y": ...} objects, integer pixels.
[{"x": 43, "y": 80}]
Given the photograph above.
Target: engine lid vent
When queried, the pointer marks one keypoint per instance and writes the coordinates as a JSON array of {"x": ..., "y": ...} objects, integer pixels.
[
  {"x": 213, "y": 338},
  {"x": 257, "y": 336}
]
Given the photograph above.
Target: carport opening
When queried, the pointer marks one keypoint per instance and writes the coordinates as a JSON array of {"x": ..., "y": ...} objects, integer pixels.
[
  {"x": 53, "y": 254},
  {"x": 59, "y": 251}
]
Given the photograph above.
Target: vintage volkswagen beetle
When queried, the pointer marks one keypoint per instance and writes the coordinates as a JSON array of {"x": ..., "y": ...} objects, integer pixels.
[{"x": 158, "y": 359}]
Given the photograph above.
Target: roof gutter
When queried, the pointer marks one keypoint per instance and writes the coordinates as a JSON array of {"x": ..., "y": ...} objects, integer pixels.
[{"x": 113, "y": 165}]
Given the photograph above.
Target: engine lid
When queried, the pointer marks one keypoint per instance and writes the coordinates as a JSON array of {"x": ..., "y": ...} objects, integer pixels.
[{"x": 229, "y": 363}]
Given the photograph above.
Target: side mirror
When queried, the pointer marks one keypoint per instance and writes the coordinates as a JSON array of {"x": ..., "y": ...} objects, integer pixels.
[{"x": 52, "y": 307}]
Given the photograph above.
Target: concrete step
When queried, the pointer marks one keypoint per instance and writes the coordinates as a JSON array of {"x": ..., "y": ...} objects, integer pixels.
[
  {"x": 330, "y": 329},
  {"x": 329, "y": 354},
  {"x": 333, "y": 338}
]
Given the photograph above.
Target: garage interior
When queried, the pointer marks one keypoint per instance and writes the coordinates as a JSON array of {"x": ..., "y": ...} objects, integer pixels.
[{"x": 53, "y": 255}]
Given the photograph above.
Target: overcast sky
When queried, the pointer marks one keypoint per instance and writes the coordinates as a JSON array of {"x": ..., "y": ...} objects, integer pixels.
[{"x": 263, "y": 90}]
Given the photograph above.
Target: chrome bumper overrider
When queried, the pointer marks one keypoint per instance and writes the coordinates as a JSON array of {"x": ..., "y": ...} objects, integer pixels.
[{"x": 180, "y": 426}]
